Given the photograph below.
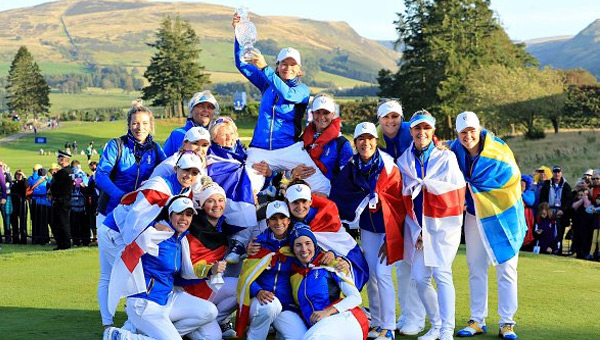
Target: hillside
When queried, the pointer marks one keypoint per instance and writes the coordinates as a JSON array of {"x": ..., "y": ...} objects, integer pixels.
[
  {"x": 116, "y": 32},
  {"x": 580, "y": 51}
]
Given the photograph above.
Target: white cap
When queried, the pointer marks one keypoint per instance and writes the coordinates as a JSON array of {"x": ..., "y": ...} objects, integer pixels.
[
  {"x": 365, "y": 127},
  {"x": 588, "y": 172},
  {"x": 289, "y": 52},
  {"x": 208, "y": 190},
  {"x": 298, "y": 191},
  {"x": 197, "y": 133},
  {"x": 201, "y": 97},
  {"x": 277, "y": 207},
  {"x": 189, "y": 160},
  {"x": 180, "y": 204},
  {"x": 389, "y": 107},
  {"x": 323, "y": 102},
  {"x": 465, "y": 120}
]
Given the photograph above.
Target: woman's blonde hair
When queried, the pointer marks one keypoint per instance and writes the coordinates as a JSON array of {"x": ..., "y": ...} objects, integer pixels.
[
  {"x": 220, "y": 123},
  {"x": 422, "y": 112},
  {"x": 137, "y": 106}
]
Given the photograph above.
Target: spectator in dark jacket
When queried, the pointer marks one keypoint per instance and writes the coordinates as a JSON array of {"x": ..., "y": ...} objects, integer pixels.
[
  {"x": 3, "y": 197},
  {"x": 583, "y": 224},
  {"x": 18, "y": 218},
  {"x": 557, "y": 192}
]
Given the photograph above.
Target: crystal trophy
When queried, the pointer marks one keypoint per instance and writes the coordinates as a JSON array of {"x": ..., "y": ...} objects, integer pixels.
[{"x": 246, "y": 34}]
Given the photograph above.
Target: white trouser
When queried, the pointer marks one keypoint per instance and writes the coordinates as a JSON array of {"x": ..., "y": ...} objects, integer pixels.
[
  {"x": 183, "y": 314},
  {"x": 285, "y": 159},
  {"x": 342, "y": 326},
  {"x": 479, "y": 262},
  {"x": 413, "y": 311},
  {"x": 380, "y": 287},
  {"x": 110, "y": 245},
  {"x": 225, "y": 298},
  {"x": 287, "y": 323},
  {"x": 440, "y": 305}
]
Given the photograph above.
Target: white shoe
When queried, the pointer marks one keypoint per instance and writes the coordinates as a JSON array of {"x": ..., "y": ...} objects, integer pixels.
[
  {"x": 432, "y": 334},
  {"x": 113, "y": 333},
  {"x": 411, "y": 329},
  {"x": 446, "y": 334}
]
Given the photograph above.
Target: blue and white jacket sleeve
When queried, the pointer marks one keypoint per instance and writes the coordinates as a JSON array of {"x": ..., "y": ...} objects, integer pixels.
[
  {"x": 105, "y": 167},
  {"x": 251, "y": 72}
]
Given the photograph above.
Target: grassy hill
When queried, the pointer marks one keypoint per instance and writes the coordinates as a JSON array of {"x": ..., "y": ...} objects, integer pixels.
[
  {"x": 580, "y": 51},
  {"x": 76, "y": 32}
]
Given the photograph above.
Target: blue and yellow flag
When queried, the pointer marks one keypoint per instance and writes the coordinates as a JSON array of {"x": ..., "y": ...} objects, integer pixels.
[{"x": 495, "y": 182}]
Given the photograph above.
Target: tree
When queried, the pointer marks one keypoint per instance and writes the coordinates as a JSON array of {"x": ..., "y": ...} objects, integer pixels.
[
  {"x": 444, "y": 41},
  {"x": 27, "y": 90},
  {"x": 516, "y": 95},
  {"x": 174, "y": 72}
]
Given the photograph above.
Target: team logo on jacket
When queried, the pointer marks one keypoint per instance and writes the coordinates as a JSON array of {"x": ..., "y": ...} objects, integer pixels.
[
  {"x": 316, "y": 274},
  {"x": 149, "y": 160}
]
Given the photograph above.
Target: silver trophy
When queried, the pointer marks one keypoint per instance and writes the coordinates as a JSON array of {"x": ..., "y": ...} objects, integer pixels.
[{"x": 245, "y": 33}]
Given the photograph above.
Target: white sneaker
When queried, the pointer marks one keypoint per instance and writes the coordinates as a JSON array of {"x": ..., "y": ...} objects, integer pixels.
[
  {"x": 411, "y": 329},
  {"x": 432, "y": 334},
  {"x": 113, "y": 333},
  {"x": 446, "y": 334}
]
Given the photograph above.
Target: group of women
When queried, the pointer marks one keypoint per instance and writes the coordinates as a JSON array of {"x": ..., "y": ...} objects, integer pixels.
[{"x": 172, "y": 239}]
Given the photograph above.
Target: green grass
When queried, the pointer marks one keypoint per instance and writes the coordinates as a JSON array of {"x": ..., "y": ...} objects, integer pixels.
[
  {"x": 92, "y": 98},
  {"x": 52, "y": 295},
  {"x": 574, "y": 151},
  {"x": 339, "y": 80}
]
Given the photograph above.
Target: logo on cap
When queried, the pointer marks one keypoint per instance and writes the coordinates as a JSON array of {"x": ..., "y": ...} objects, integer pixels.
[
  {"x": 276, "y": 205},
  {"x": 364, "y": 125},
  {"x": 465, "y": 118},
  {"x": 202, "y": 98},
  {"x": 299, "y": 189}
]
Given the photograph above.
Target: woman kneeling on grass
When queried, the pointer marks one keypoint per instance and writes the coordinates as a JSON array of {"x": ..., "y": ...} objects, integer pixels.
[
  {"x": 317, "y": 291},
  {"x": 157, "y": 311}
]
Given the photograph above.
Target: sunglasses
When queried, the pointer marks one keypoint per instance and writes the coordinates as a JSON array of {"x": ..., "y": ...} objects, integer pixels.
[{"x": 223, "y": 120}]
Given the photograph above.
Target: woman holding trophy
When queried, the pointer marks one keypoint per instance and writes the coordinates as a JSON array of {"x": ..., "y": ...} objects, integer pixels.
[{"x": 275, "y": 141}]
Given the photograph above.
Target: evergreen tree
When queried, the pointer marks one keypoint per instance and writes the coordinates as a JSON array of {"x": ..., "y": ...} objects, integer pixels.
[
  {"x": 27, "y": 90},
  {"x": 174, "y": 72},
  {"x": 445, "y": 41}
]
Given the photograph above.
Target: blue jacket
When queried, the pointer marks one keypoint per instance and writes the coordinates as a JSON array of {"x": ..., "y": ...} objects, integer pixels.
[
  {"x": 281, "y": 108},
  {"x": 39, "y": 193},
  {"x": 276, "y": 279},
  {"x": 129, "y": 173},
  {"x": 317, "y": 291},
  {"x": 397, "y": 145},
  {"x": 159, "y": 271},
  {"x": 175, "y": 140},
  {"x": 330, "y": 155},
  {"x": 421, "y": 160}
]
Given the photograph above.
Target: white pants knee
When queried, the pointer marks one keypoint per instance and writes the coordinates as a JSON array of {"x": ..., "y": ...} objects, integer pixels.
[
  {"x": 183, "y": 314},
  {"x": 225, "y": 298},
  {"x": 479, "y": 262},
  {"x": 288, "y": 323},
  {"x": 110, "y": 244},
  {"x": 380, "y": 287},
  {"x": 342, "y": 326},
  {"x": 440, "y": 305},
  {"x": 285, "y": 159},
  {"x": 413, "y": 311}
]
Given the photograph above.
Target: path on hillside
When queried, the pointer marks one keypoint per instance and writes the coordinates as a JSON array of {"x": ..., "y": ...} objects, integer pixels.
[{"x": 20, "y": 135}]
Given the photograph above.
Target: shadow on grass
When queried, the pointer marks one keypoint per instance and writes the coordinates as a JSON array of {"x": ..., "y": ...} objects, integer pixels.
[{"x": 57, "y": 324}]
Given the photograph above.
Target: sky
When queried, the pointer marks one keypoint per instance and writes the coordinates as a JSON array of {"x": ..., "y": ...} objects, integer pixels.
[{"x": 522, "y": 19}]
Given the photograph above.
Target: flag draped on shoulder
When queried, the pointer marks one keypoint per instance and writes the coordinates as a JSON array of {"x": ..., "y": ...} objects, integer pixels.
[
  {"x": 228, "y": 169},
  {"x": 252, "y": 267},
  {"x": 443, "y": 190},
  {"x": 495, "y": 183},
  {"x": 327, "y": 227},
  {"x": 139, "y": 208},
  {"x": 127, "y": 275},
  {"x": 351, "y": 199}
]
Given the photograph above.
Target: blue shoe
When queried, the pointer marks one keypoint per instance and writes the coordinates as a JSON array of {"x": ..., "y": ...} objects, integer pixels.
[
  {"x": 385, "y": 334},
  {"x": 507, "y": 331},
  {"x": 374, "y": 332},
  {"x": 473, "y": 328},
  {"x": 111, "y": 333}
]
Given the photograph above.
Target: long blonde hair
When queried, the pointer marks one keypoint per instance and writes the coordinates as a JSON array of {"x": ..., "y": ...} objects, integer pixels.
[{"x": 137, "y": 106}]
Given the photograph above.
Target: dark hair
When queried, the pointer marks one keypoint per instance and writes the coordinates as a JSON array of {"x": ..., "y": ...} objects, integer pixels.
[{"x": 299, "y": 181}]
